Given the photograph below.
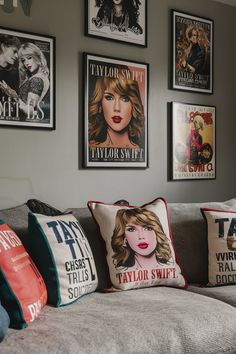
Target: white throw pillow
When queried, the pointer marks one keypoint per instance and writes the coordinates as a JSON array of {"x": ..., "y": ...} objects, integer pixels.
[
  {"x": 221, "y": 227},
  {"x": 139, "y": 246},
  {"x": 61, "y": 251}
]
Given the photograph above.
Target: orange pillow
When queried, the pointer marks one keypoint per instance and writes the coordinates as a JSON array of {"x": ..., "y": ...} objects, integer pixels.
[{"x": 22, "y": 289}]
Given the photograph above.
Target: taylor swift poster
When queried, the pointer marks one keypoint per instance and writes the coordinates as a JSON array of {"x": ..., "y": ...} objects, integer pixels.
[
  {"x": 27, "y": 80},
  {"x": 120, "y": 20},
  {"x": 193, "y": 141},
  {"x": 115, "y": 115},
  {"x": 192, "y": 53}
]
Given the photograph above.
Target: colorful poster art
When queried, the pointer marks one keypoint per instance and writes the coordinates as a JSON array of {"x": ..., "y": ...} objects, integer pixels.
[
  {"x": 115, "y": 115},
  {"x": 193, "y": 141},
  {"x": 26, "y": 80},
  {"x": 192, "y": 53},
  {"x": 120, "y": 20}
]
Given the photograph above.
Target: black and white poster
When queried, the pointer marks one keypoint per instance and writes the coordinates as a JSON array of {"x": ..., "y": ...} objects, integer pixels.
[
  {"x": 120, "y": 20},
  {"x": 27, "y": 80}
]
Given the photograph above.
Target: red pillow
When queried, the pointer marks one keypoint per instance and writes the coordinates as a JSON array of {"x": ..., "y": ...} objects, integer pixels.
[{"x": 22, "y": 289}]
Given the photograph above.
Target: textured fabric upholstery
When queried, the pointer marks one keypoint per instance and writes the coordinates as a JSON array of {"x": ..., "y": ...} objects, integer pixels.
[
  {"x": 4, "y": 322},
  {"x": 151, "y": 320},
  {"x": 17, "y": 219},
  {"x": 226, "y": 293}
]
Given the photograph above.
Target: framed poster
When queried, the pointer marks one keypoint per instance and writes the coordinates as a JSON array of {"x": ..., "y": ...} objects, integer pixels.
[
  {"x": 27, "y": 80},
  {"x": 115, "y": 112},
  {"x": 192, "y": 53},
  {"x": 193, "y": 141},
  {"x": 123, "y": 21}
]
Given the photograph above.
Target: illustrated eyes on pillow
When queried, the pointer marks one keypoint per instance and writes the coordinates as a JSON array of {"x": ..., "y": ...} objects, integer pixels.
[{"x": 139, "y": 247}]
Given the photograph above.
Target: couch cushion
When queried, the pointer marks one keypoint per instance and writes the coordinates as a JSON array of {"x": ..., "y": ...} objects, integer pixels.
[
  {"x": 221, "y": 229},
  {"x": 151, "y": 320},
  {"x": 139, "y": 245},
  {"x": 4, "y": 322},
  {"x": 190, "y": 237},
  {"x": 22, "y": 289},
  {"x": 225, "y": 293},
  {"x": 61, "y": 251}
]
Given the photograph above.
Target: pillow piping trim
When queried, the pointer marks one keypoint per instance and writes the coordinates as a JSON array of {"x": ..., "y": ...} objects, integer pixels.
[{"x": 218, "y": 210}]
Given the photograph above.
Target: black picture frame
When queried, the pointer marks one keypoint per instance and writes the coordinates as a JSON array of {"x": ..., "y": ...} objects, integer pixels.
[
  {"x": 193, "y": 145},
  {"x": 27, "y": 80},
  {"x": 192, "y": 53},
  {"x": 119, "y": 138},
  {"x": 130, "y": 27}
]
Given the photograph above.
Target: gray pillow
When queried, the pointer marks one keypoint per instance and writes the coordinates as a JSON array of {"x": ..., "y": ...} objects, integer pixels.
[
  {"x": 17, "y": 219},
  {"x": 189, "y": 233},
  {"x": 38, "y": 207}
]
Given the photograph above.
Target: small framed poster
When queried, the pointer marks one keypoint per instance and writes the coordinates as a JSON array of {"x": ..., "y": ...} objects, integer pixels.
[
  {"x": 123, "y": 21},
  {"x": 115, "y": 112},
  {"x": 193, "y": 141},
  {"x": 192, "y": 63},
  {"x": 27, "y": 80}
]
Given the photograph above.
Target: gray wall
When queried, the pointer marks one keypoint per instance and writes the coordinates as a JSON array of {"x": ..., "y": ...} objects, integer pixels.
[{"x": 46, "y": 164}]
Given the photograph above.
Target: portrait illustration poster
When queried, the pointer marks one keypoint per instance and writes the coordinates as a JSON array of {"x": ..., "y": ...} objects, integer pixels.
[
  {"x": 27, "y": 79},
  {"x": 115, "y": 114},
  {"x": 193, "y": 141},
  {"x": 192, "y": 53},
  {"x": 120, "y": 20}
]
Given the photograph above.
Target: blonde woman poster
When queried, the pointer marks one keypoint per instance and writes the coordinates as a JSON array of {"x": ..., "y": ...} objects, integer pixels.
[
  {"x": 115, "y": 113},
  {"x": 26, "y": 79},
  {"x": 192, "y": 53},
  {"x": 193, "y": 154}
]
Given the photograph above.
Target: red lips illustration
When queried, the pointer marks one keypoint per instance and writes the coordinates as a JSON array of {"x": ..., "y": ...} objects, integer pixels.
[
  {"x": 143, "y": 245},
  {"x": 116, "y": 119}
]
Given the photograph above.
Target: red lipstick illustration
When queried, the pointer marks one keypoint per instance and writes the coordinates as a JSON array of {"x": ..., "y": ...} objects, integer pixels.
[
  {"x": 116, "y": 119},
  {"x": 143, "y": 245}
]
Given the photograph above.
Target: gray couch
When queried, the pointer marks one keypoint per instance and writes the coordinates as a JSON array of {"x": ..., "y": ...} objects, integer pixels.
[{"x": 160, "y": 320}]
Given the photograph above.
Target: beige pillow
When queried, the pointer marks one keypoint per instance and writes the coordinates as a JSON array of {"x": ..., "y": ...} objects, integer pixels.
[
  {"x": 139, "y": 245},
  {"x": 62, "y": 253},
  {"x": 221, "y": 227}
]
